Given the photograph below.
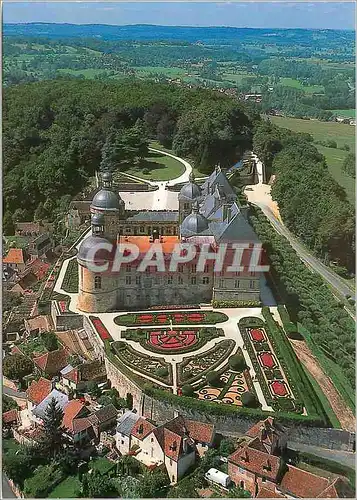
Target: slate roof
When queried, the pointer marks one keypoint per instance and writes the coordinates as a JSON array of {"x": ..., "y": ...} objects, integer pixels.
[
  {"x": 109, "y": 412},
  {"x": 37, "y": 391},
  {"x": 126, "y": 423},
  {"x": 60, "y": 397},
  {"x": 218, "y": 178},
  {"x": 153, "y": 216}
]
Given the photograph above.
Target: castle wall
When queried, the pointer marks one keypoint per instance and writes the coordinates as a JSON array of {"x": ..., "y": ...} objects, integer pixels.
[
  {"x": 92, "y": 299},
  {"x": 124, "y": 385}
]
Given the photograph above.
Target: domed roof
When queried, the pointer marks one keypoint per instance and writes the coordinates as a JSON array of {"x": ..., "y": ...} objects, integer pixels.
[
  {"x": 194, "y": 224},
  {"x": 97, "y": 219},
  {"x": 94, "y": 249},
  {"x": 106, "y": 199},
  {"x": 191, "y": 190}
]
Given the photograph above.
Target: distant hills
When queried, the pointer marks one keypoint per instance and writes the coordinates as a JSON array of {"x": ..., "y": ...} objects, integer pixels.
[{"x": 190, "y": 34}]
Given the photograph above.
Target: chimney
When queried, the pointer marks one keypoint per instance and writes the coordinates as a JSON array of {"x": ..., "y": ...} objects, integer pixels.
[
  {"x": 267, "y": 467},
  {"x": 141, "y": 429},
  {"x": 245, "y": 457}
]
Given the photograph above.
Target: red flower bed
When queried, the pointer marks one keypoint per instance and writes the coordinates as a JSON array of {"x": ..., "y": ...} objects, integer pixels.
[
  {"x": 279, "y": 388},
  {"x": 63, "y": 306},
  {"x": 267, "y": 360},
  {"x": 195, "y": 317},
  {"x": 101, "y": 329},
  {"x": 257, "y": 335},
  {"x": 172, "y": 339},
  {"x": 162, "y": 318},
  {"x": 146, "y": 318}
]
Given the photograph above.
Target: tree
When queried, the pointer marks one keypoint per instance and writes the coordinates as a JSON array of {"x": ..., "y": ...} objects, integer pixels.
[
  {"x": 127, "y": 486},
  {"x": 16, "y": 366},
  {"x": 17, "y": 466},
  {"x": 165, "y": 130},
  {"x": 93, "y": 389},
  {"x": 237, "y": 362},
  {"x": 128, "y": 466},
  {"x": 129, "y": 401},
  {"x": 52, "y": 426},
  {"x": 349, "y": 165},
  {"x": 154, "y": 484},
  {"x": 96, "y": 486},
  {"x": 42, "y": 482},
  {"x": 8, "y": 403},
  {"x": 238, "y": 493},
  {"x": 50, "y": 340},
  {"x": 210, "y": 460},
  {"x": 226, "y": 447},
  {"x": 249, "y": 400}
]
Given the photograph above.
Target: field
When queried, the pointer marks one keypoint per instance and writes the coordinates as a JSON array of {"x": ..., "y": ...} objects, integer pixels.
[
  {"x": 309, "y": 89},
  {"x": 158, "y": 167},
  {"x": 348, "y": 113},
  {"x": 321, "y": 131}
]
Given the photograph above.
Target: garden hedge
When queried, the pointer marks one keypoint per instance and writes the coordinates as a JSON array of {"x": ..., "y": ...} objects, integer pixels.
[{"x": 235, "y": 303}]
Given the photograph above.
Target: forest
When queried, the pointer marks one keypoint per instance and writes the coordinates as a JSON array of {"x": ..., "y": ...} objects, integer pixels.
[{"x": 54, "y": 132}]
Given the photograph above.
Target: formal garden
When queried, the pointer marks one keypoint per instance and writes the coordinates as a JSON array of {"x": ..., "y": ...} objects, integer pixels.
[
  {"x": 176, "y": 318},
  {"x": 172, "y": 341}
]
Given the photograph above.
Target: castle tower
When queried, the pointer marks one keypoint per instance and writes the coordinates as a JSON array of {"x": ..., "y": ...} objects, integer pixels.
[
  {"x": 189, "y": 193},
  {"x": 97, "y": 290},
  {"x": 110, "y": 205}
]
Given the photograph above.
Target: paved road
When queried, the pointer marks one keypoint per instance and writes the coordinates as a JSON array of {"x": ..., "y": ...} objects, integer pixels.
[
  {"x": 342, "y": 457},
  {"x": 6, "y": 489}
]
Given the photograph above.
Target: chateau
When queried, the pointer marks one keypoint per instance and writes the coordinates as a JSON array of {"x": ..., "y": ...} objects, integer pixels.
[{"x": 208, "y": 214}]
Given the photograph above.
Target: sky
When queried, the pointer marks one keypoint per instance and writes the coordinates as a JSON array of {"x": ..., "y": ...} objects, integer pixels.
[{"x": 319, "y": 15}]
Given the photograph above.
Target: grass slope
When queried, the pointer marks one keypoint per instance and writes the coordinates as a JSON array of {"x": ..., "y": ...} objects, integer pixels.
[{"x": 162, "y": 168}]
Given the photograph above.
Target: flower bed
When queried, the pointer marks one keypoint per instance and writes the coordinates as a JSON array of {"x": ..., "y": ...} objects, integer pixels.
[
  {"x": 100, "y": 328},
  {"x": 235, "y": 303},
  {"x": 185, "y": 318},
  {"x": 142, "y": 362},
  {"x": 268, "y": 371},
  {"x": 172, "y": 341},
  {"x": 194, "y": 368}
]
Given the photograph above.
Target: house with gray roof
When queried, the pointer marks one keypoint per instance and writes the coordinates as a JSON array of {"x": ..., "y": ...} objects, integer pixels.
[
  {"x": 38, "y": 412},
  {"x": 124, "y": 427}
]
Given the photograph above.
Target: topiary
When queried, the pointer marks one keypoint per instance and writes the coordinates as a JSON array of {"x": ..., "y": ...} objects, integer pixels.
[
  {"x": 162, "y": 371},
  {"x": 213, "y": 378},
  {"x": 237, "y": 362},
  {"x": 249, "y": 400},
  {"x": 187, "y": 390}
]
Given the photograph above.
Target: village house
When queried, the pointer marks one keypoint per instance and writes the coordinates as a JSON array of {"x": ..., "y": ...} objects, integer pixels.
[
  {"x": 51, "y": 362},
  {"x": 70, "y": 378},
  {"x": 258, "y": 466},
  {"x": 172, "y": 444},
  {"x": 104, "y": 419},
  {"x": 10, "y": 419},
  {"x": 37, "y": 392},
  {"x": 16, "y": 258},
  {"x": 76, "y": 423},
  {"x": 38, "y": 324}
]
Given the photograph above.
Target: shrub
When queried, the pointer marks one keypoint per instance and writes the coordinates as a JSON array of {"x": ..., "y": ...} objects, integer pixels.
[
  {"x": 162, "y": 371},
  {"x": 188, "y": 390},
  {"x": 213, "y": 378},
  {"x": 237, "y": 363},
  {"x": 249, "y": 400}
]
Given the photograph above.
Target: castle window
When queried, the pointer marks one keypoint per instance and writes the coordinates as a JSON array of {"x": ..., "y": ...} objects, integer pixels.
[
  {"x": 170, "y": 280},
  {"x": 97, "y": 283},
  {"x": 236, "y": 283},
  {"x": 180, "y": 280},
  {"x": 238, "y": 274},
  {"x": 128, "y": 229},
  {"x": 174, "y": 230},
  {"x": 252, "y": 273},
  {"x": 205, "y": 280},
  {"x": 180, "y": 268},
  {"x": 138, "y": 280},
  {"x": 193, "y": 268},
  {"x": 142, "y": 229},
  {"x": 206, "y": 268},
  {"x": 128, "y": 280},
  {"x": 186, "y": 206},
  {"x": 128, "y": 268},
  {"x": 251, "y": 284},
  {"x": 193, "y": 280}
]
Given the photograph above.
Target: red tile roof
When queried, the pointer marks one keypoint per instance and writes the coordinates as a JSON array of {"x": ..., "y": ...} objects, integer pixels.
[
  {"x": 172, "y": 444},
  {"x": 14, "y": 256},
  {"x": 268, "y": 426},
  {"x": 256, "y": 461},
  {"x": 80, "y": 424},
  {"x": 200, "y": 431},
  {"x": 142, "y": 428},
  {"x": 70, "y": 412},
  {"x": 266, "y": 493},
  {"x": 302, "y": 484},
  {"x": 41, "y": 323},
  {"x": 39, "y": 268},
  {"x": 37, "y": 391},
  {"x": 10, "y": 416},
  {"x": 73, "y": 375},
  {"x": 52, "y": 362}
]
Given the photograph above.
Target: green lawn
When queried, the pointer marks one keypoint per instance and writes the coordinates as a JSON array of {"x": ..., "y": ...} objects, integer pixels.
[
  {"x": 162, "y": 168},
  {"x": 347, "y": 113},
  {"x": 31, "y": 346},
  {"x": 102, "y": 465},
  {"x": 237, "y": 77},
  {"x": 10, "y": 444},
  {"x": 168, "y": 71},
  {"x": 321, "y": 131},
  {"x": 68, "y": 488},
  {"x": 88, "y": 73},
  {"x": 309, "y": 89}
]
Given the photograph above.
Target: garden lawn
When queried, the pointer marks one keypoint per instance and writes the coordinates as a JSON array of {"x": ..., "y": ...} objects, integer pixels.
[
  {"x": 102, "y": 465},
  {"x": 70, "y": 280},
  {"x": 68, "y": 488},
  {"x": 10, "y": 445},
  {"x": 31, "y": 346},
  {"x": 309, "y": 89},
  {"x": 348, "y": 113},
  {"x": 161, "y": 168}
]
